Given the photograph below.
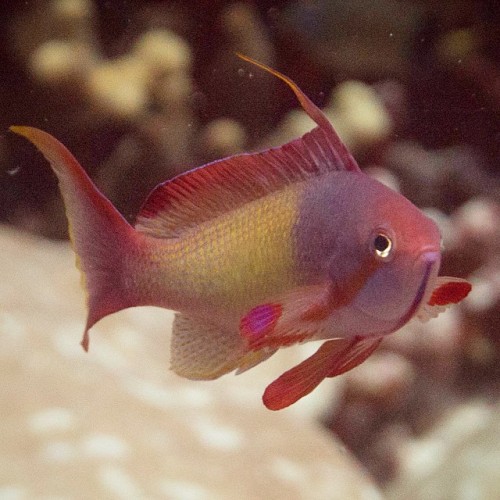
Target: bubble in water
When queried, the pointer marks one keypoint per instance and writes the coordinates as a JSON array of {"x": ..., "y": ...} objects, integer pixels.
[
  {"x": 13, "y": 171},
  {"x": 241, "y": 72}
]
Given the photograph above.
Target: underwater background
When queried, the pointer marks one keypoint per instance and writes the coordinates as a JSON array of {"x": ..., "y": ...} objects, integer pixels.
[{"x": 141, "y": 91}]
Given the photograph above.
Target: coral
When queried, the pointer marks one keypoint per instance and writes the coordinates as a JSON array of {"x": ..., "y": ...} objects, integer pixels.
[{"x": 117, "y": 424}]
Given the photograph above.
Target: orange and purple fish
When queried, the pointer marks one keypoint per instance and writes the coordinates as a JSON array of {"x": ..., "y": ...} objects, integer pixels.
[{"x": 258, "y": 252}]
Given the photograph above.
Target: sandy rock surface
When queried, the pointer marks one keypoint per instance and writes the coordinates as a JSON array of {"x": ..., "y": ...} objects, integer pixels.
[
  {"x": 459, "y": 458},
  {"x": 115, "y": 423}
]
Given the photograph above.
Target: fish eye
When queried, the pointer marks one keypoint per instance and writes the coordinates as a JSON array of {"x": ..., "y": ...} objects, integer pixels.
[{"x": 382, "y": 245}]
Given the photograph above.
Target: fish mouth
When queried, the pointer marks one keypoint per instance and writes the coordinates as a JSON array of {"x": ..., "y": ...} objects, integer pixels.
[{"x": 430, "y": 258}]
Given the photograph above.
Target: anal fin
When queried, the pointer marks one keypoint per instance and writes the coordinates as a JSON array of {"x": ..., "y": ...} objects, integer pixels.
[
  {"x": 294, "y": 317},
  {"x": 201, "y": 350},
  {"x": 253, "y": 358}
]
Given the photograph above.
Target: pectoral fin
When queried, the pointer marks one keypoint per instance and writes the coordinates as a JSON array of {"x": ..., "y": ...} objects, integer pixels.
[
  {"x": 333, "y": 358},
  {"x": 294, "y": 317},
  {"x": 447, "y": 291}
]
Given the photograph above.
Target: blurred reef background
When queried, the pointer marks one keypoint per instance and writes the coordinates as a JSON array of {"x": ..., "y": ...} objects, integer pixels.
[{"x": 140, "y": 91}]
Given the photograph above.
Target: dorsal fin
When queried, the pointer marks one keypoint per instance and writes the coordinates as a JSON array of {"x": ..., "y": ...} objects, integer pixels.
[
  {"x": 218, "y": 187},
  {"x": 335, "y": 144}
]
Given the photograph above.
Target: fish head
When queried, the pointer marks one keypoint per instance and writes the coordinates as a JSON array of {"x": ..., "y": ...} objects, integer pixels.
[{"x": 402, "y": 256}]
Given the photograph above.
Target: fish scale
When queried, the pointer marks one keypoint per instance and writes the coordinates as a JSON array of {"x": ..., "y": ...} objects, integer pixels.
[{"x": 234, "y": 261}]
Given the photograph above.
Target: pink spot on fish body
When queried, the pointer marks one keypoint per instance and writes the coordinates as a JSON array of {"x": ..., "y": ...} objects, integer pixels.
[{"x": 259, "y": 323}]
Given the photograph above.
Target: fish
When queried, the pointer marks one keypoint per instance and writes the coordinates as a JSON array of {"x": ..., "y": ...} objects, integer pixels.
[{"x": 258, "y": 252}]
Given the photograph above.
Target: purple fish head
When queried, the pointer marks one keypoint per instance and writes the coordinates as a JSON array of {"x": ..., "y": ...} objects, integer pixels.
[
  {"x": 393, "y": 293},
  {"x": 404, "y": 245}
]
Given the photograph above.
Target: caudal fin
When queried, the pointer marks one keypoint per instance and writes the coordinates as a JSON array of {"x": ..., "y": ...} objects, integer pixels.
[{"x": 101, "y": 237}]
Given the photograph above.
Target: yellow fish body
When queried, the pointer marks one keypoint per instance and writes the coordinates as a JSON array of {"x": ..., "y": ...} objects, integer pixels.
[{"x": 258, "y": 252}]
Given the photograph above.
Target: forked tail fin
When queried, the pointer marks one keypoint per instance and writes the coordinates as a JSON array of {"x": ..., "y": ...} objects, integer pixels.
[{"x": 101, "y": 237}]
